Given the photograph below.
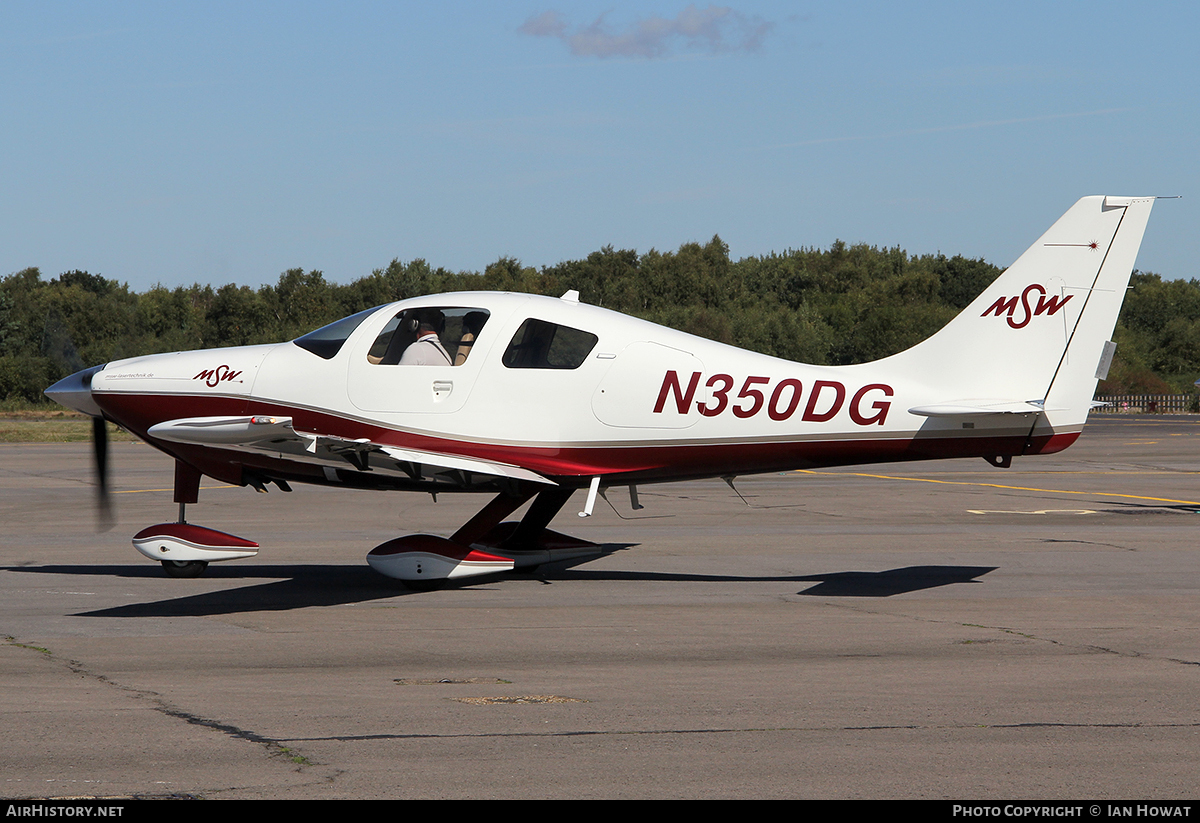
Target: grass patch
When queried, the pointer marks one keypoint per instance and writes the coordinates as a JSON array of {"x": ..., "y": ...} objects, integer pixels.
[{"x": 51, "y": 425}]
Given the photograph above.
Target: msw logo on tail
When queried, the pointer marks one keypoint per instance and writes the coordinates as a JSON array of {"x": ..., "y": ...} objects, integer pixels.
[{"x": 1007, "y": 306}]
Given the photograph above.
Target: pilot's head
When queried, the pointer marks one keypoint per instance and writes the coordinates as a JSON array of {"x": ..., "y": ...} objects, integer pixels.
[{"x": 430, "y": 320}]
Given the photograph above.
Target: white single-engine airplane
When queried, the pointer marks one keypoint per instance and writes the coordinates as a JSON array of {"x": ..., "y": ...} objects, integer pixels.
[{"x": 533, "y": 397}]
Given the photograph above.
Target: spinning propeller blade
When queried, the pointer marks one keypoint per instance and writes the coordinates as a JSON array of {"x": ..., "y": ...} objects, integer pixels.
[{"x": 104, "y": 514}]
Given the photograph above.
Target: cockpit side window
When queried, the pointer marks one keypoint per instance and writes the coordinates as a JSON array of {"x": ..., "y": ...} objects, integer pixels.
[
  {"x": 539, "y": 344},
  {"x": 445, "y": 334},
  {"x": 327, "y": 341}
]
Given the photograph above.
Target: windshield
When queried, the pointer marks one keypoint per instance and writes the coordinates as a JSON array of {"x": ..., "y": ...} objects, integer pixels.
[{"x": 327, "y": 341}]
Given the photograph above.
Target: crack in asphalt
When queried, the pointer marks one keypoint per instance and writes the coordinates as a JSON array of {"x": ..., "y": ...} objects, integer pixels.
[
  {"x": 1135, "y": 655},
  {"x": 748, "y": 730},
  {"x": 274, "y": 748}
]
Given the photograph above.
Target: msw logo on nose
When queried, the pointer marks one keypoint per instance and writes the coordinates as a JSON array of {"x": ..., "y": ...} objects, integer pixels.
[
  {"x": 212, "y": 377},
  {"x": 1007, "y": 306}
]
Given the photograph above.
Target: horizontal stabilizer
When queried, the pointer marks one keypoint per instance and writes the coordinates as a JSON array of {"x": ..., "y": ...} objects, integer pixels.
[{"x": 970, "y": 408}]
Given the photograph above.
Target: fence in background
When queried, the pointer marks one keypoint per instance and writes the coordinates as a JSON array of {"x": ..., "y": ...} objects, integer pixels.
[{"x": 1146, "y": 404}]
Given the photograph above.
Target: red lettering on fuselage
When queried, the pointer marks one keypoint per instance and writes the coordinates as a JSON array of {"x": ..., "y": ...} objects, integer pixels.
[
  {"x": 825, "y": 400},
  {"x": 879, "y": 406},
  {"x": 839, "y": 395},
  {"x": 682, "y": 401}
]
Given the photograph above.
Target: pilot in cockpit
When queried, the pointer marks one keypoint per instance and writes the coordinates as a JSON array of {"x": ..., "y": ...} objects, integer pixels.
[{"x": 427, "y": 349}]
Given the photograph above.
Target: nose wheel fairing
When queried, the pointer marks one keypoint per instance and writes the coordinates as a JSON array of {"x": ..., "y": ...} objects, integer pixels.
[{"x": 186, "y": 542}]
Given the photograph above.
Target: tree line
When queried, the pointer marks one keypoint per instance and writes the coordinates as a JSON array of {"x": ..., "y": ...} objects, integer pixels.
[{"x": 841, "y": 305}]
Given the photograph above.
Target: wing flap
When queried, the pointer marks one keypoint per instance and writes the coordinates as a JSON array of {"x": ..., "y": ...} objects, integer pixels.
[{"x": 468, "y": 464}]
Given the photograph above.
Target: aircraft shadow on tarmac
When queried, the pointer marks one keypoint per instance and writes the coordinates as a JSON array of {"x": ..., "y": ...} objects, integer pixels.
[
  {"x": 893, "y": 581},
  {"x": 1127, "y": 507},
  {"x": 835, "y": 584},
  {"x": 304, "y": 586}
]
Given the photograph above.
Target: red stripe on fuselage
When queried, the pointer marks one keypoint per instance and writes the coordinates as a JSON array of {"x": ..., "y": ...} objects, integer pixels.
[{"x": 635, "y": 463}]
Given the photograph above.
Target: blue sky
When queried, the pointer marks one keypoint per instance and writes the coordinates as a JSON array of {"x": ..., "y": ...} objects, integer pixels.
[{"x": 220, "y": 142}]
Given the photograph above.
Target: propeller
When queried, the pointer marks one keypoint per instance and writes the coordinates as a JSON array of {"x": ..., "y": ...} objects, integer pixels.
[
  {"x": 75, "y": 392},
  {"x": 104, "y": 513}
]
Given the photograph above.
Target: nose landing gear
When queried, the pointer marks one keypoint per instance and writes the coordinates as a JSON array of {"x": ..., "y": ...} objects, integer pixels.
[{"x": 184, "y": 549}]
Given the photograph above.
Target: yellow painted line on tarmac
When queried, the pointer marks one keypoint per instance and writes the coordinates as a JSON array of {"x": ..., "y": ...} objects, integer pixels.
[
  {"x": 1001, "y": 486},
  {"x": 1057, "y": 472},
  {"x": 1039, "y": 511},
  {"x": 143, "y": 491}
]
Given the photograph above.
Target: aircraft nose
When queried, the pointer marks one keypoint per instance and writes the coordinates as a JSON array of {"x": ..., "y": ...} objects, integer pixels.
[{"x": 75, "y": 392}]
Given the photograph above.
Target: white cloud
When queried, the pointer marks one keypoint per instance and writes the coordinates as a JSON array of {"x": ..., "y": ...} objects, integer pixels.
[{"x": 715, "y": 29}]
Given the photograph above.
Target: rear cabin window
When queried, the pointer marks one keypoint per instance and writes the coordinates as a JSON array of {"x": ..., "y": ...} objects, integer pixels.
[{"x": 542, "y": 345}]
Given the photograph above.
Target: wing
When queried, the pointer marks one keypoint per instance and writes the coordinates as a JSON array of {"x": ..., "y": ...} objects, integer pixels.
[{"x": 277, "y": 436}]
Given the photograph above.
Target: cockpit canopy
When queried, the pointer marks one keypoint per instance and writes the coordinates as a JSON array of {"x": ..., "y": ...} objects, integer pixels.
[{"x": 537, "y": 343}]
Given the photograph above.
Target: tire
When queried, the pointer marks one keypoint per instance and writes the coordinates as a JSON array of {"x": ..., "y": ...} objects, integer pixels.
[
  {"x": 184, "y": 568},
  {"x": 425, "y": 585}
]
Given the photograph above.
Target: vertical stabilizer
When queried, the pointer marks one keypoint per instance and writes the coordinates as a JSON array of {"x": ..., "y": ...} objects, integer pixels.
[{"x": 1038, "y": 333}]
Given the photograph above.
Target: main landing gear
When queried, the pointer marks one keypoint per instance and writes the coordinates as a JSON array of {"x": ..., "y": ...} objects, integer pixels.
[{"x": 484, "y": 545}]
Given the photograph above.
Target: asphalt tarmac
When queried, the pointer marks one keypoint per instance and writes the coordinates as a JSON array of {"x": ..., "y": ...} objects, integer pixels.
[{"x": 934, "y": 630}]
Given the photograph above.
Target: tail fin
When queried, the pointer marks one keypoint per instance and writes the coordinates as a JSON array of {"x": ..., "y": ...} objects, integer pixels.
[{"x": 1036, "y": 338}]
